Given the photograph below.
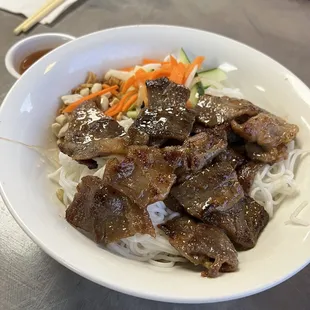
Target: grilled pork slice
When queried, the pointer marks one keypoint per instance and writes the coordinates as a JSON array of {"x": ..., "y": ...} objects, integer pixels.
[
  {"x": 166, "y": 116},
  {"x": 246, "y": 174},
  {"x": 106, "y": 215},
  {"x": 212, "y": 111},
  {"x": 271, "y": 156},
  {"x": 214, "y": 188},
  {"x": 92, "y": 134},
  {"x": 267, "y": 130},
  {"x": 243, "y": 223},
  {"x": 202, "y": 245},
  {"x": 164, "y": 94},
  {"x": 166, "y": 123},
  {"x": 144, "y": 176}
]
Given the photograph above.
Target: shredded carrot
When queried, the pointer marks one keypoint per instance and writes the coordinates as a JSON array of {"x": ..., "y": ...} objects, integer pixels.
[
  {"x": 160, "y": 73},
  {"x": 188, "y": 104},
  {"x": 140, "y": 72},
  {"x": 130, "y": 82},
  {"x": 173, "y": 61},
  {"x": 118, "y": 107},
  {"x": 75, "y": 104},
  {"x": 129, "y": 102},
  {"x": 142, "y": 76},
  {"x": 147, "y": 61},
  {"x": 196, "y": 62},
  {"x": 177, "y": 73},
  {"x": 167, "y": 66},
  {"x": 113, "y": 92}
]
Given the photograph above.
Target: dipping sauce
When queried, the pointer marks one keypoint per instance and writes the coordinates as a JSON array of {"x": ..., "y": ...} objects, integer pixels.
[{"x": 31, "y": 59}]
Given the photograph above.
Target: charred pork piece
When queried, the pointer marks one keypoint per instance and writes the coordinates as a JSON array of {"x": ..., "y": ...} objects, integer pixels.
[
  {"x": 267, "y": 130},
  {"x": 173, "y": 204},
  {"x": 202, "y": 245},
  {"x": 213, "y": 111},
  {"x": 143, "y": 176},
  {"x": 246, "y": 174},
  {"x": 92, "y": 134},
  {"x": 157, "y": 142},
  {"x": 166, "y": 116},
  {"x": 166, "y": 123},
  {"x": 176, "y": 157},
  {"x": 214, "y": 188},
  {"x": 199, "y": 128},
  {"x": 223, "y": 130},
  {"x": 137, "y": 137},
  {"x": 258, "y": 154},
  {"x": 231, "y": 156},
  {"x": 233, "y": 139},
  {"x": 243, "y": 223},
  {"x": 203, "y": 147},
  {"x": 106, "y": 215},
  {"x": 165, "y": 94},
  {"x": 196, "y": 152},
  {"x": 90, "y": 163}
]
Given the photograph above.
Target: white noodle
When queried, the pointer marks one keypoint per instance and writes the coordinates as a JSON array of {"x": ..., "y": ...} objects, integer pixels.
[
  {"x": 294, "y": 219},
  {"x": 274, "y": 183}
]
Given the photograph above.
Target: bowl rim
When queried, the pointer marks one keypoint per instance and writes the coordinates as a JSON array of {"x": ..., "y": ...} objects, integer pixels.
[
  {"x": 118, "y": 287},
  {"x": 8, "y": 60}
]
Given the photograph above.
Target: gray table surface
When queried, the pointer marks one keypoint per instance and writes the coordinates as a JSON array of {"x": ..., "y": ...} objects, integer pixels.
[{"x": 30, "y": 279}]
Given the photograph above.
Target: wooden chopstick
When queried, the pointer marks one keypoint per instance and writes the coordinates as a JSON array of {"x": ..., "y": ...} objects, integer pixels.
[
  {"x": 19, "y": 28},
  {"x": 37, "y": 16}
]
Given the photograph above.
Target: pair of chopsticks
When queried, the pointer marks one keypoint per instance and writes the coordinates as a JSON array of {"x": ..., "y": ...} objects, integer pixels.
[{"x": 38, "y": 16}]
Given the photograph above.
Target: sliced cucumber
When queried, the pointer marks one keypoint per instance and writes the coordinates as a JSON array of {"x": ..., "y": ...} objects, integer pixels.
[
  {"x": 216, "y": 75},
  {"x": 211, "y": 83},
  {"x": 133, "y": 107},
  {"x": 132, "y": 114},
  {"x": 183, "y": 57},
  {"x": 194, "y": 96},
  {"x": 197, "y": 90},
  {"x": 200, "y": 89}
]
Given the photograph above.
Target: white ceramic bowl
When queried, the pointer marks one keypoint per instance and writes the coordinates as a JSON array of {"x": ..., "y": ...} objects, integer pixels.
[
  {"x": 23, "y": 48},
  {"x": 30, "y": 107}
]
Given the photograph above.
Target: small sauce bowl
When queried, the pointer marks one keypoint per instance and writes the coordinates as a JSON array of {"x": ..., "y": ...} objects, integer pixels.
[{"x": 26, "y": 47}]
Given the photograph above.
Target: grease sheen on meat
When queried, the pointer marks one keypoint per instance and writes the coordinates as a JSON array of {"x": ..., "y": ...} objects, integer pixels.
[
  {"x": 246, "y": 174},
  {"x": 213, "y": 111},
  {"x": 258, "y": 154},
  {"x": 203, "y": 147},
  {"x": 166, "y": 123},
  {"x": 105, "y": 214},
  {"x": 164, "y": 94},
  {"x": 214, "y": 188},
  {"x": 267, "y": 130},
  {"x": 231, "y": 156},
  {"x": 243, "y": 223},
  {"x": 92, "y": 134},
  {"x": 144, "y": 175},
  {"x": 202, "y": 245},
  {"x": 166, "y": 116},
  {"x": 196, "y": 152}
]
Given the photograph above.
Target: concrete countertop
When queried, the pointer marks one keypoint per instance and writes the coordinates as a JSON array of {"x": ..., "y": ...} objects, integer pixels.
[{"x": 30, "y": 279}]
